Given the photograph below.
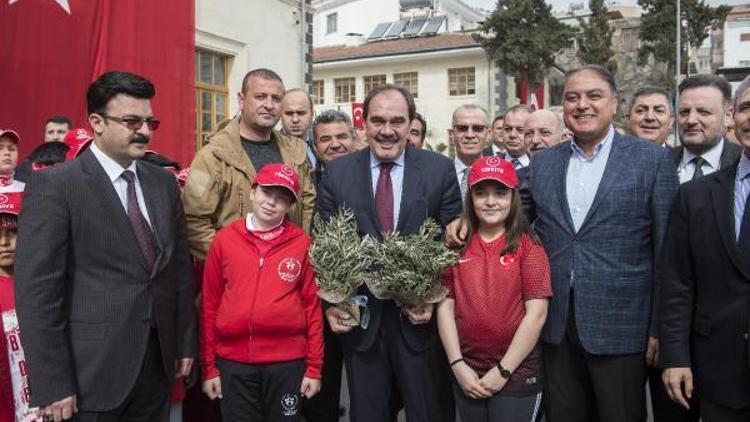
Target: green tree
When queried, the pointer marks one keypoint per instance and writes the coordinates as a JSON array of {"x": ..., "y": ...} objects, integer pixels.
[
  {"x": 658, "y": 35},
  {"x": 522, "y": 37},
  {"x": 595, "y": 37}
]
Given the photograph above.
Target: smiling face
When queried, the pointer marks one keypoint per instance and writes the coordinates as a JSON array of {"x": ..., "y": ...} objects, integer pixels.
[
  {"x": 702, "y": 118},
  {"x": 333, "y": 140},
  {"x": 589, "y": 106},
  {"x": 387, "y": 125},
  {"x": 650, "y": 117},
  {"x": 260, "y": 106},
  {"x": 742, "y": 120},
  {"x": 542, "y": 130},
  {"x": 270, "y": 204},
  {"x": 469, "y": 133},
  {"x": 491, "y": 200}
]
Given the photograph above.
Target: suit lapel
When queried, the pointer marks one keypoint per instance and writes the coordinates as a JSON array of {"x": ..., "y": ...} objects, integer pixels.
[
  {"x": 410, "y": 192},
  {"x": 154, "y": 195},
  {"x": 562, "y": 174},
  {"x": 104, "y": 192},
  {"x": 722, "y": 198},
  {"x": 616, "y": 166},
  {"x": 364, "y": 182}
]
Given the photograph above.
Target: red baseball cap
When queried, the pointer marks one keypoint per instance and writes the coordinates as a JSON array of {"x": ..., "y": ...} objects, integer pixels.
[
  {"x": 277, "y": 174},
  {"x": 10, "y": 202},
  {"x": 10, "y": 133},
  {"x": 493, "y": 168},
  {"x": 78, "y": 140}
]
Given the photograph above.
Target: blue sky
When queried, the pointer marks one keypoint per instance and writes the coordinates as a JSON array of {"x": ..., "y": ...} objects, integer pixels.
[{"x": 562, "y": 5}]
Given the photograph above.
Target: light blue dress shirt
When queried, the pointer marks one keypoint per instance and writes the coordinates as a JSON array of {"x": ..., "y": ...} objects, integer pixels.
[
  {"x": 584, "y": 175},
  {"x": 397, "y": 181},
  {"x": 741, "y": 191}
]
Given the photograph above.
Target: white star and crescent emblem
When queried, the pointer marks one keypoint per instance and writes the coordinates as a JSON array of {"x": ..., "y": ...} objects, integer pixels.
[{"x": 62, "y": 3}]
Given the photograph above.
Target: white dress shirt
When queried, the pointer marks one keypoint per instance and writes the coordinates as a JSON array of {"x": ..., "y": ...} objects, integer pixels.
[
  {"x": 523, "y": 159},
  {"x": 712, "y": 162},
  {"x": 114, "y": 172}
]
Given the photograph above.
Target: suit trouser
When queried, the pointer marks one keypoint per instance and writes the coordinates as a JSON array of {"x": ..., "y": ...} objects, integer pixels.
[
  {"x": 391, "y": 373},
  {"x": 261, "y": 393},
  {"x": 148, "y": 401},
  {"x": 324, "y": 407},
  {"x": 583, "y": 387},
  {"x": 663, "y": 408},
  {"x": 714, "y": 412},
  {"x": 497, "y": 408}
]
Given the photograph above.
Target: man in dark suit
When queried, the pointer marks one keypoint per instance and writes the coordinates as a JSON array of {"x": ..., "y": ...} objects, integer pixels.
[
  {"x": 650, "y": 116},
  {"x": 103, "y": 282},
  {"x": 704, "y": 113},
  {"x": 397, "y": 359},
  {"x": 705, "y": 287},
  {"x": 601, "y": 203},
  {"x": 497, "y": 146}
]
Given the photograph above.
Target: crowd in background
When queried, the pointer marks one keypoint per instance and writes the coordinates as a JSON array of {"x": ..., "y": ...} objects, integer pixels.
[{"x": 596, "y": 260}]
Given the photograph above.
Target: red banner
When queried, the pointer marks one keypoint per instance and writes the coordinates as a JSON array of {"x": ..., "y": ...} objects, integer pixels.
[
  {"x": 51, "y": 50},
  {"x": 357, "y": 119}
]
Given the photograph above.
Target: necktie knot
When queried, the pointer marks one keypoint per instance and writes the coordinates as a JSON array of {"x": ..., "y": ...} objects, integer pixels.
[
  {"x": 386, "y": 166},
  {"x": 128, "y": 176},
  {"x": 698, "y": 162}
]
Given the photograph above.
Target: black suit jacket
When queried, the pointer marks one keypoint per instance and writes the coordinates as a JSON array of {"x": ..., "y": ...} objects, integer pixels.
[
  {"x": 85, "y": 301},
  {"x": 430, "y": 191},
  {"x": 729, "y": 155},
  {"x": 705, "y": 291}
]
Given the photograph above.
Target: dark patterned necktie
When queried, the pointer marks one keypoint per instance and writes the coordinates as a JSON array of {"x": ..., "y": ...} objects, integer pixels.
[
  {"x": 140, "y": 226},
  {"x": 384, "y": 198},
  {"x": 698, "y": 162}
]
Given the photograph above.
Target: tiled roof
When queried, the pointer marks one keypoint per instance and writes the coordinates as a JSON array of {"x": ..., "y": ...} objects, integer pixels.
[{"x": 444, "y": 41}]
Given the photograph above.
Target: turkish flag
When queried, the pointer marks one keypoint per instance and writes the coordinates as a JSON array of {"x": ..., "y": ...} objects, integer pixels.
[
  {"x": 357, "y": 119},
  {"x": 51, "y": 50}
]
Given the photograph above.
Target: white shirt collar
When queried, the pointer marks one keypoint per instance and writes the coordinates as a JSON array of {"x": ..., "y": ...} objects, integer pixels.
[
  {"x": 460, "y": 166},
  {"x": 712, "y": 156},
  {"x": 111, "y": 167},
  {"x": 399, "y": 161}
]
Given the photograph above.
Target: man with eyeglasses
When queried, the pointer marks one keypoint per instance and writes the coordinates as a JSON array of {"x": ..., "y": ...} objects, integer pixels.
[
  {"x": 104, "y": 289},
  {"x": 468, "y": 134},
  {"x": 513, "y": 135}
]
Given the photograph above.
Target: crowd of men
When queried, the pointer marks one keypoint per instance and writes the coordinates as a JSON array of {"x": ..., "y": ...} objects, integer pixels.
[{"x": 649, "y": 246}]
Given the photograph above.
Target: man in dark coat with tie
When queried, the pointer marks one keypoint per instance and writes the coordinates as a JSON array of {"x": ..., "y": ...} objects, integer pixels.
[
  {"x": 397, "y": 359},
  {"x": 705, "y": 287},
  {"x": 103, "y": 282}
]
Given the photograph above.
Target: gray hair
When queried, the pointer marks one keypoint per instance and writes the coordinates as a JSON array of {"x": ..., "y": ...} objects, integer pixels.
[
  {"x": 470, "y": 107},
  {"x": 744, "y": 85},
  {"x": 332, "y": 116}
]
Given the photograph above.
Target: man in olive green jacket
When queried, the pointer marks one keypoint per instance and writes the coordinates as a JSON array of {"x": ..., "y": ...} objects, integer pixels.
[{"x": 217, "y": 191}]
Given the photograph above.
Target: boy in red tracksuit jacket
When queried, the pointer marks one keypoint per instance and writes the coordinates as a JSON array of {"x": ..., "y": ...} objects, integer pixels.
[
  {"x": 262, "y": 326},
  {"x": 14, "y": 383}
]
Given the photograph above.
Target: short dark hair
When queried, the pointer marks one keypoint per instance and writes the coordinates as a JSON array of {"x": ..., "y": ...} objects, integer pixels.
[
  {"x": 649, "y": 90},
  {"x": 518, "y": 108},
  {"x": 602, "y": 71},
  {"x": 418, "y": 116},
  {"x": 332, "y": 116},
  {"x": 111, "y": 84},
  {"x": 498, "y": 117},
  {"x": 708, "y": 80},
  {"x": 391, "y": 87},
  {"x": 49, "y": 153},
  {"x": 262, "y": 73},
  {"x": 60, "y": 120}
]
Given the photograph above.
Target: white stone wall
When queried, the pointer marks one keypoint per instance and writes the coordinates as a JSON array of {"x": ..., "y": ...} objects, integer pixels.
[
  {"x": 359, "y": 16},
  {"x": 736, "y": 52}
]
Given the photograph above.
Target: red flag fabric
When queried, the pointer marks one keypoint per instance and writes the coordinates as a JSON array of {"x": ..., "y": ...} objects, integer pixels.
[
  {"x": 51, "y": 50},
  {"x": 357, "y": 119}
]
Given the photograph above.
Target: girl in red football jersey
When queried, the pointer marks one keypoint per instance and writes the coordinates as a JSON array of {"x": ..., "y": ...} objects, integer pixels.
[{"x": 497, "y": 303}]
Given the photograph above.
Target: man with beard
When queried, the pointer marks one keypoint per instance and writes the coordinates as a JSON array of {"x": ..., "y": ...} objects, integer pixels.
[
  {"x": 468, "y": 134},
  {"x": 704, "y": 112},
  {"x": 397, "y": 359},
  {"x": 650, "y": 115},
  {"x": 513, "y": 135},
  {"x": 543, "y": 129},
  {"x": 103, "y": 279},
  {"x": 705, "y": 285},
  {"x": 217, "y": 191}
]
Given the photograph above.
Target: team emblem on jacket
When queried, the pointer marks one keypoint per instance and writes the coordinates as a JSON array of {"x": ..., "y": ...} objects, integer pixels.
[
  {"x": 289, "y": 404},
  {"x": 507, "y": 260},
  {"x": 3, "y": 198},
  {"x": 289, "y": 269}
]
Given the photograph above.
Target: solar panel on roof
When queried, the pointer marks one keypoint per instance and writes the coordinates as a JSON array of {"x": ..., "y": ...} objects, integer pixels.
[
  {"x": 415, "y": 26},
  {"x": 433, "y": 25},
  {"x": 397, "y": 28},
  {"x": 379, "y": 30}
]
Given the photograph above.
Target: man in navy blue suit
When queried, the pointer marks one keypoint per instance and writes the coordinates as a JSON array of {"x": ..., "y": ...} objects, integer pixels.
[
  {"x": 601, "y": 205},
  {"x": 397, "y": 359}
]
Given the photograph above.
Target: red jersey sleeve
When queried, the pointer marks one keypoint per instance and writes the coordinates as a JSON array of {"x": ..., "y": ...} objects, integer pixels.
[
  {"x": 447, "y": 280},
  {"x": 212, "y": 291},
  {"x": 314, "y": 316},
  {"x": 535, "y": 272}
]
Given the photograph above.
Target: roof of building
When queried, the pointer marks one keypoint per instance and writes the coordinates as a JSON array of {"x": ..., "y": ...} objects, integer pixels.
[{"x": 444, "y": 41}]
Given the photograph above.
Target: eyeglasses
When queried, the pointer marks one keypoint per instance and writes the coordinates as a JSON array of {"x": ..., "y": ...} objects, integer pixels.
[
  {"x": 134, "y": 122},
  {"x": 465, "y": 128}
]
